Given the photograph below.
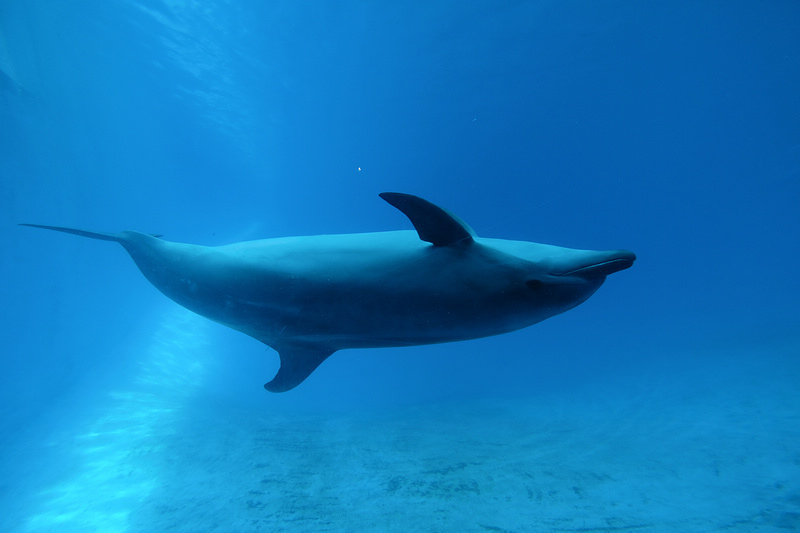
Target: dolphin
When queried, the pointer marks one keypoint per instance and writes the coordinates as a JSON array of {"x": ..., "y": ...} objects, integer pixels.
[{"x": 309, "y": 296}]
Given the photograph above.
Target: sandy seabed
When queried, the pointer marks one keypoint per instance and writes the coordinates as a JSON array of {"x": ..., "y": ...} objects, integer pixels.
[{"x": 705, "y": 449}]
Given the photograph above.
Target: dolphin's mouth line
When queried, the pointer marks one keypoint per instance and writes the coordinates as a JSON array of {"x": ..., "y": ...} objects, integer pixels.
[{"x": 603, "y": 268}]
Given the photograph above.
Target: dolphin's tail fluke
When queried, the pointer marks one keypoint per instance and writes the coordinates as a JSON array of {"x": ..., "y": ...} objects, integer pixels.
[{"x": 116, "y": 237}]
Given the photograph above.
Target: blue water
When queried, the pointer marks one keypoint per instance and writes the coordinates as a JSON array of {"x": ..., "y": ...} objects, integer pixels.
[{"x": 667, "y": 402}]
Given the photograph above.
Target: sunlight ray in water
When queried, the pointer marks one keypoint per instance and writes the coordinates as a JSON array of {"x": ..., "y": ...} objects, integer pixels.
[{"x": 112, "y": 472}]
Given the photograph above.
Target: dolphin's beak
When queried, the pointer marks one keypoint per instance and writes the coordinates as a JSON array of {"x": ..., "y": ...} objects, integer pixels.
[{"x": 601, "y": 264}]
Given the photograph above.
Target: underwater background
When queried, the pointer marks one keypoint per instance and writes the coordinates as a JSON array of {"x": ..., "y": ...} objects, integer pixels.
[{"x": 667, "y": 402}]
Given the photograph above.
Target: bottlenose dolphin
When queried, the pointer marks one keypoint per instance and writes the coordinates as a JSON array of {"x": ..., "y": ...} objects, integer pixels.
[{"x": 308, "y": 297}]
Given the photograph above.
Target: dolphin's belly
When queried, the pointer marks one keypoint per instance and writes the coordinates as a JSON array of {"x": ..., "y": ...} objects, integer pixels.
[
  {"x": 418, "y": 306},
  {"x": 353, "y": 319}
]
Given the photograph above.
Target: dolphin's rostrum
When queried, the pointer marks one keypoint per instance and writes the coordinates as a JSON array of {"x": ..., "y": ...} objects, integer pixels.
[{"x": 308, "y": 297}]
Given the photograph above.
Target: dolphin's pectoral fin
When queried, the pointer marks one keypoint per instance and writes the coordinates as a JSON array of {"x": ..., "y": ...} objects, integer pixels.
[
  {"x": 433, "y": 224},
  {"x": 297, "y": 363}
]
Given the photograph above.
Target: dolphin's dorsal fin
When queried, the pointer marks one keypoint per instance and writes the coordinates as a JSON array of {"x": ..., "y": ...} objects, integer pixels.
[
  {"x": 297, "y": 363},
  {"x": 433, "y": 224}
]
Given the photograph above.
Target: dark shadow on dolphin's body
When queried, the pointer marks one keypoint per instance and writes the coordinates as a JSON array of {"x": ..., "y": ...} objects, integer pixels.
[{"x": 308, "y": 297}]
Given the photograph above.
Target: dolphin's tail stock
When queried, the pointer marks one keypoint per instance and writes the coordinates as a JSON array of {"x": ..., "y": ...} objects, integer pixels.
[
  {"x": 121, "y": 237},
  {"x": 116, "y": 237}
]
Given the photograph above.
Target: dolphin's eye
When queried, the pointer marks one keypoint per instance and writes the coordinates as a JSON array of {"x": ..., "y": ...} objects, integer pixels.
[{"x": 533, "y": 284}]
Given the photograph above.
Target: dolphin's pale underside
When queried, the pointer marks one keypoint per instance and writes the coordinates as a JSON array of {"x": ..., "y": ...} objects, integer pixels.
[{"x": 308, "y": 297}]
